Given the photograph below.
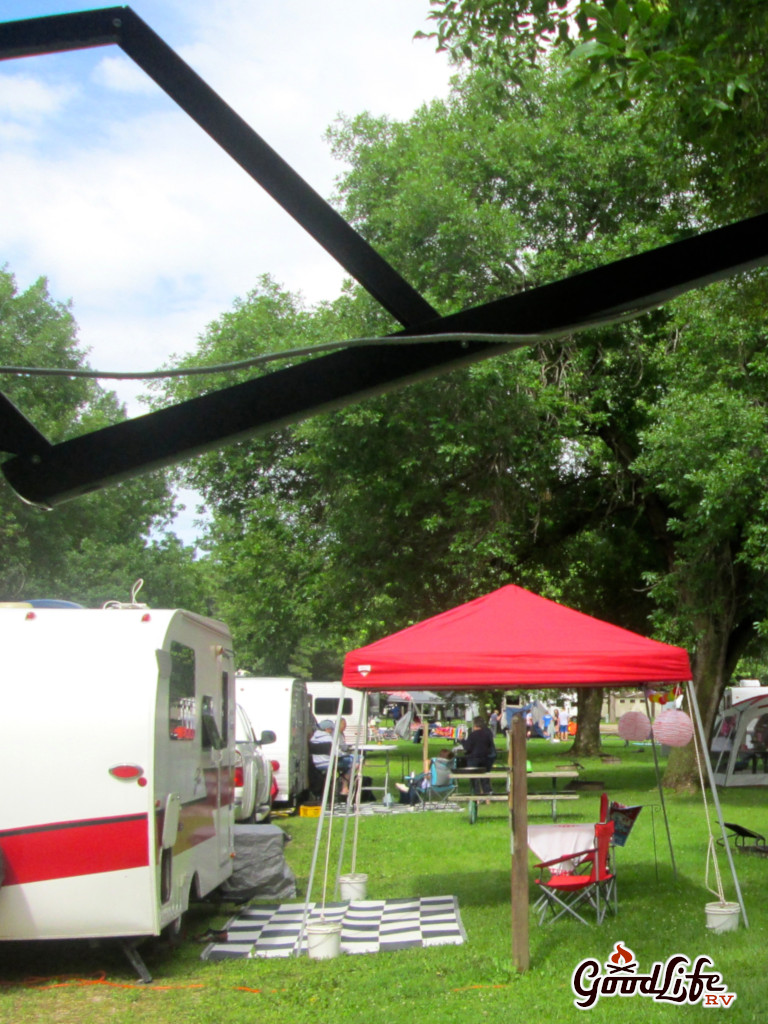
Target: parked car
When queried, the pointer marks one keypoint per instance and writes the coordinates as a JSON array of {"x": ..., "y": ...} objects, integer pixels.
[{"x": 253, "y": 771}]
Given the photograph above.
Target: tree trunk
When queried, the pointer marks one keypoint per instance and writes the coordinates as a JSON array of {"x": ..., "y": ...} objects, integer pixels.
[
  {"x": 709, "y": 677},
  {"x": 587, "y": 740}
]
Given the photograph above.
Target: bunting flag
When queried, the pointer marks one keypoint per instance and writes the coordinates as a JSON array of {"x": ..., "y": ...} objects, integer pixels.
[{"x": 661, "y": 694}]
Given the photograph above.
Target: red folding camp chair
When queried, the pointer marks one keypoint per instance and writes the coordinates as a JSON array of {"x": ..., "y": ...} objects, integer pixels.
[
  {"x": 603, "y": 807},
  {"x": 569, "y": 886}
]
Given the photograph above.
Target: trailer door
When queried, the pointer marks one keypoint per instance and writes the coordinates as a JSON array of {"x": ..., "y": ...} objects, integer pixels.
[{"x": 215, "y": 725}]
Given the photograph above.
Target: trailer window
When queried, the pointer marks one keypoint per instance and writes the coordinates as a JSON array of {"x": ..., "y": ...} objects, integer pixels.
[
  {"x": 211, "y": 735},
  {"x": 330, "y": 706},
  {"x": 182, "y": 709}
]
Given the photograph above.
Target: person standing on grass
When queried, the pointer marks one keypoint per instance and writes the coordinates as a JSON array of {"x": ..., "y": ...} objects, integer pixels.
[
  {"x": 481, "y": 753},
  {"x": 546, "y": 725},
  {"x": 562, "y": 721}
]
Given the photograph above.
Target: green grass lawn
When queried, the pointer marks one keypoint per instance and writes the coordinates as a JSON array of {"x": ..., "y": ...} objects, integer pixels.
[{"x": 428, "y": 853}]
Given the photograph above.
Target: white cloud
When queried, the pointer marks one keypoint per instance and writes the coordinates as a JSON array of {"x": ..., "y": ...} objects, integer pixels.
[
  {"x": 26, "y": 96},
  {"x": 121, "y": 74},
  {"x": 137, "y": 215},
  {"x": 27, "y": 103}
]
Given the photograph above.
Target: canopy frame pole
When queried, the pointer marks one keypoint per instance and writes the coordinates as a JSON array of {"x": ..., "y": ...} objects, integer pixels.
[
  {"x": 704, "y": 745},
  {"x": 362, "y": 723},
  {"x": 329, "y": 781},
  {"x": 660, "y": 789},
  {"x": 521, "y": 952},
  {"x": 355, "y": 789}
]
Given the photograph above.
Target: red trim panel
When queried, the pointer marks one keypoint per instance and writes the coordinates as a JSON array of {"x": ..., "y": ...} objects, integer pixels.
[{"x": 65, "y": 849}]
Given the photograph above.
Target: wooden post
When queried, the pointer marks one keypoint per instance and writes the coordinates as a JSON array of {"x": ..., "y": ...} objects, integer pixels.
[
  {"x": 521, "y": 955},
  {"x": 424, "y": 738}
]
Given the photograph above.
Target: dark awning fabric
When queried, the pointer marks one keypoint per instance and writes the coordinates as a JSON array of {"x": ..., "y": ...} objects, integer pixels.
[{"x": 512, "y": 637}]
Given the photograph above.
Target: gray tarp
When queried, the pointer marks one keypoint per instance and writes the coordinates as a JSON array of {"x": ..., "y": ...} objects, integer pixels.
[{"x": 260, "y": 870}]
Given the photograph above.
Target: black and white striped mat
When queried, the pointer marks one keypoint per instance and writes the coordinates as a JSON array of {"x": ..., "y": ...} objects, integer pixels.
[{"x": 367, "y": 926}]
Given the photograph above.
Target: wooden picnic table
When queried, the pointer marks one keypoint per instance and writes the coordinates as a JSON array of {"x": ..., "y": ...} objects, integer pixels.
[{"x": 553, "y": 796}]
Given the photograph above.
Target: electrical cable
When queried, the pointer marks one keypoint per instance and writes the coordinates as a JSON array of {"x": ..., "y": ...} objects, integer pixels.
[{"x": 310, "y": 350}]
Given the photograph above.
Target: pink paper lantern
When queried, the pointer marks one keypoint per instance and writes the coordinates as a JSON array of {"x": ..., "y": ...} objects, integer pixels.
[
  {"x": 634, "y": 725},
  {"x": 673, "y": 728}
]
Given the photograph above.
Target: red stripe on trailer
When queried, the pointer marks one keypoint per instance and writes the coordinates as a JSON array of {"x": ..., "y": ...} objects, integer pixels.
[{"x": 65, "y": 849}]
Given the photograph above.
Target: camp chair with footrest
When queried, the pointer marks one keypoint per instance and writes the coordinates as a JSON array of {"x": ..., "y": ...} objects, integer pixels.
[
  {"x": 439, "y": 786},
  {"x": 569, "y": 886},
  {"x": 745, "y": 840}
]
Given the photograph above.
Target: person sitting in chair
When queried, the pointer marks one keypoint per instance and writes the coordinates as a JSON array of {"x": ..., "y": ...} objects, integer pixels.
[
  {"x": 419, "y": 784},
  {"x": 320, "y": 748},
  {"x": 345, "y": 758}
]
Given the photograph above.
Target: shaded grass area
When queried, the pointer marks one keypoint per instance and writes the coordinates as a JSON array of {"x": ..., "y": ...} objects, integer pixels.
[{"x": 429, "y": 853}]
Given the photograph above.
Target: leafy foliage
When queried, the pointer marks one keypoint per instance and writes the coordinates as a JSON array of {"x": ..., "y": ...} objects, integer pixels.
[
  {"x": 339, "y": 530},
  {"x": 92, "y": 550},
  {"x": 701, "y": 64},
  {"x": 618, "y": 471}
]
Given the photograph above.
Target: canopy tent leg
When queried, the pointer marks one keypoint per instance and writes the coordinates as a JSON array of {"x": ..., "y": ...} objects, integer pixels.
[
  {"x": 691, "y": 691},
  {"x": 361, "y": 729},
  {"x": 661, "y": 793},
  {"x": 355, "y": 791},
  {"x": 521, "y": 953},
  {"x": 330, "y": 781}
]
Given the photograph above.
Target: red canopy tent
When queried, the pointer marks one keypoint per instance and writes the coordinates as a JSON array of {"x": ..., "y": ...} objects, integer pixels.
[{"x": 512, "y": 637}]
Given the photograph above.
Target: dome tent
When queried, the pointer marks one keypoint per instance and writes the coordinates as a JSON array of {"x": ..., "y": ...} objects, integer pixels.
[{"x": 739, "y": 748}]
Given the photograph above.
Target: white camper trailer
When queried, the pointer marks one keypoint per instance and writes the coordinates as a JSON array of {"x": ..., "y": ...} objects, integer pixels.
[
  {"x": 281, "y": 705},
  {"x": 325, "y": 699},
  {"x": 116, "y": 745}
]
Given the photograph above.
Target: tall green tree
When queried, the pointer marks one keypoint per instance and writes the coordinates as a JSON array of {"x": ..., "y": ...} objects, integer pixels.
[
  {"x": 395, "y": 509},
  {"x": 590, "y": 469},
  {"x": 92, "y": 550},
  {"x": 265, "y": 544},
  {"x": 698, "y": 65},
  {"x": 617, "y": 393}
]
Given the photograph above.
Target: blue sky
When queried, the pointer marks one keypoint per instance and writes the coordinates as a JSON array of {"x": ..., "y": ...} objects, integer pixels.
[{"x": 134, "y": 214}]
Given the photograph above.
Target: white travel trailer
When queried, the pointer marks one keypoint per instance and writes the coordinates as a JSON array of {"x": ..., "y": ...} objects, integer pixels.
[
  {"x": 281, "y": 705},
  {"x": 325, "y": 699},
  {"x": 116, "y": 746}
]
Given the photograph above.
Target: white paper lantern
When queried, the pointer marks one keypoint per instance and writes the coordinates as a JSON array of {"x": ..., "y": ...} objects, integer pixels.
[
  {"x": 673, "y": 728},
  {"x": 634, "y": 725}
]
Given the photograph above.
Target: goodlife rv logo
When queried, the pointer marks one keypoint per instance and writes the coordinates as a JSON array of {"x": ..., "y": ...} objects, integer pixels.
[{"x": 676, "y": 980}]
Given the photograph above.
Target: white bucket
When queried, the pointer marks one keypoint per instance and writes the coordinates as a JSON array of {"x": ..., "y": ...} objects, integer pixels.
[
  {"x": 324, "y": 939},
  {"x": 353, "y": 887},
  {"x": 722, "y": 917}
]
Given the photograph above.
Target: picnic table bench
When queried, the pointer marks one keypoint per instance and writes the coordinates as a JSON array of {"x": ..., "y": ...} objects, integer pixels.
[{"x": 553, "y": 797}]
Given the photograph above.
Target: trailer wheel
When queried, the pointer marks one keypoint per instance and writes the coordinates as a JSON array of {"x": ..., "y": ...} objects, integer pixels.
[{"x": 175, "y": 932}]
